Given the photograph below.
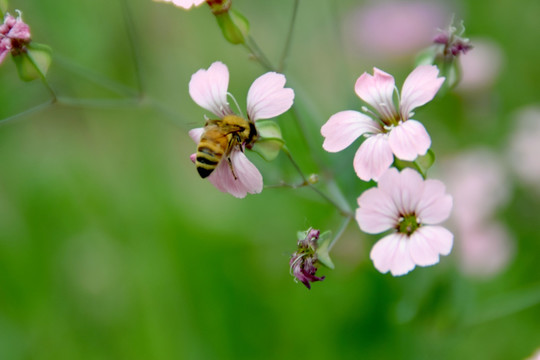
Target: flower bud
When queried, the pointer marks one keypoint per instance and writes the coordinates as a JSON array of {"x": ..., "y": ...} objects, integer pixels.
[
  {"x": 303, "y": 262},
  {"x": 14, "y": 36},
  {"x": 447, "y": 47},
  {"x": 219, "y": 6},
  {"x": 313, "y": 179},
  {"x": 234, "y": 26}
]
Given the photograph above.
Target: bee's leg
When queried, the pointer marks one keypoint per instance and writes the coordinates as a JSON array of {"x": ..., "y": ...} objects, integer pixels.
[
  {"x": 232, "y": 169},
  {"x": 239, "y": 142}
]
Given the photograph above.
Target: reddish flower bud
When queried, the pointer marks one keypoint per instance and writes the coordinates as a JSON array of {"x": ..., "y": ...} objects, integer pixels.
[
  {"x": 14, "y": 36},
  {"x": 303, "y": 261}
]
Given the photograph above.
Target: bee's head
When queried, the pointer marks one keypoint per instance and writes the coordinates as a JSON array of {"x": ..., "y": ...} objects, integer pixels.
[{"x": 253, "y": 135}]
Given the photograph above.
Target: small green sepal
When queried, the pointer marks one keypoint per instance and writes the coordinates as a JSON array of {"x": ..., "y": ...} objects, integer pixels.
[
  {"x": 34, "y": 63},
  {"x": 231, "y": 31},
  {"x": 270, "y": 141},
  {"x": 301, "y": 235},
  {"x": 241, "y": 21},
  {"x": 426, "y": 161},
  {"x": 323, "y": 250},
  {"x": 426, "y": 57},
  {"x": 420, "y": 164}
]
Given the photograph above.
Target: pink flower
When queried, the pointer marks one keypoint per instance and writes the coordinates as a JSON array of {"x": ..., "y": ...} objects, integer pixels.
[
  {"x": 535, "y": 356},
  {"x": 392, "y": 29},
  {"x": 485, "y": 250},
  {"x": 523, "y": 147},
  {"x": 403, "y": 201},
  {"x": 391, "y": 132},
  {"x": 479, "y": 185},
  {"x": 14, "y": 36},
  {"x": 184, "y": 4},
  {"x": 267, "y": 98},
  {"x": 481, "y": 66}
]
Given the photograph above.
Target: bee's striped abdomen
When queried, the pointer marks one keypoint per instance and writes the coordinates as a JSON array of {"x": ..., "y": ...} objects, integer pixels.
[{"x": 209, "y": 154}]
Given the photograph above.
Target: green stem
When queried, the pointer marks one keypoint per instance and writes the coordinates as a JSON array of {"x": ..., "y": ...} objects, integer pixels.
[
  {"x": 258, "y": 54},
  {"x": 288, "y": 42},
  {"x": 43, "y": 78},
  {"x": 130, "y": 28},
  {"x": 27, "y": 112},
  {"x": 343, "y": 212},
  {"x": 284, "y": 184},
  {"x": 103, "y": 103},
  {"x": 95, "y": 77},
  {"x": 340, "y": 232}
]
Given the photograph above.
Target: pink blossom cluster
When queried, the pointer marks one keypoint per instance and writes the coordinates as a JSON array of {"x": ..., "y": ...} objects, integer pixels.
[
  {"x": 14, "y": 36},
  {"x": 479, "y": 185},
  {"x": 523, "y": 147},
  {"x": 402, "y": 201}
]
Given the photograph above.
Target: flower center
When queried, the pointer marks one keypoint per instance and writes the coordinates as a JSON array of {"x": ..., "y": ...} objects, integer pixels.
[{"x": 408, "y": 224}]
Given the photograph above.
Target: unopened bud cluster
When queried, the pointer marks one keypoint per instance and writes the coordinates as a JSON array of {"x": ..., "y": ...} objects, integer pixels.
[
  {"x": 453, "y": 44},
  {"x": 303, "y": 261},
  {"x": 14, "y": 36}
]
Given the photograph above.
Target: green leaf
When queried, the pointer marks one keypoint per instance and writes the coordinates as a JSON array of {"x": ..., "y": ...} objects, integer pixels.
[
  {"x": 35, "y": 63},
  {"x": 323, "y": 249}
]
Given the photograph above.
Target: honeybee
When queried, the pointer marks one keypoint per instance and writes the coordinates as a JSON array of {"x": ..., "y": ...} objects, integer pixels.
[{"x": 218, "y": 140}]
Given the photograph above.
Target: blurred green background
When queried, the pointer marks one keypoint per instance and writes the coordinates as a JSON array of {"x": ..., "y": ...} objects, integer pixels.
[{"x": 112, "y": 247}]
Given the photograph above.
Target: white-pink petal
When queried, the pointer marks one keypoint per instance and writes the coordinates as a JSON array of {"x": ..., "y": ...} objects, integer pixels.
[
  {"x": 343, "y": 128},
  {"x": 439, "y": 238},
  {"x": 196, "y": 134},
  {"x": 208, "y": 88},
  {"x": 268, "y": 98},
  {"x": 427, "y": 243},
  {"x": 185, "y": 4},
  {"x": 248, "y": 178},
  {"x": 378, "y": 91},
  {"x": 376, "y": 212},
  {"x": 405, "y": 189},
  {"x": 373, "y": 158},
  {"x": 435, "y": 205},
  {"x": 391, "y": 253},
  {"x": 409, "y": 139},
  {"x": 419, "y": 88}
]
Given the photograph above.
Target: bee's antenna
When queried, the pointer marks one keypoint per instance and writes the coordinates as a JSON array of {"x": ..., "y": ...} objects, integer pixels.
[{"x": 237, "y": 106}]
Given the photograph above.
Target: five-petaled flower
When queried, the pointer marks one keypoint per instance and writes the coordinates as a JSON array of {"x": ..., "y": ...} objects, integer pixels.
[
  {"x": 267, "y": 98},
  {"x": 303, "y": 261},
  {"x": 392, "y": 131},
  {"x": 403, "y": 201},
  {"x": 14, "y": 36}
]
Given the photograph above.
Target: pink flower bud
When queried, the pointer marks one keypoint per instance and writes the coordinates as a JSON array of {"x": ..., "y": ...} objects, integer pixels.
[{"x": 14, "y": 36}]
